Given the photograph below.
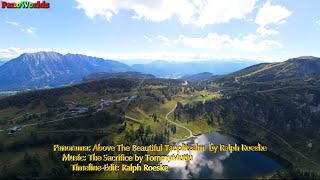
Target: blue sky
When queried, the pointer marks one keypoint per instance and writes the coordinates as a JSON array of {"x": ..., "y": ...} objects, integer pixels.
[{"x": 179, "y": 30}]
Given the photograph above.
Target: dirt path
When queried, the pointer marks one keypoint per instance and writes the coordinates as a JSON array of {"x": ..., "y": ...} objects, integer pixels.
[
  {"x": 284, "y": 142},
  {"x": 190, "y": 132},
  {"x": 57, "y": 120}
]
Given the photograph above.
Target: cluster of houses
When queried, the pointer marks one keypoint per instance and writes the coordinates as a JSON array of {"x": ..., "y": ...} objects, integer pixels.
[
  {"x": 109, "y": 102},
  {"x": 74, "y": 111},
  {"x": 129, "y": 98}
]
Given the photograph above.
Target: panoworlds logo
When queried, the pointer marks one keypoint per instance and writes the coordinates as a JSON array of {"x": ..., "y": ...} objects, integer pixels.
[{"x": 25, "y": 4}]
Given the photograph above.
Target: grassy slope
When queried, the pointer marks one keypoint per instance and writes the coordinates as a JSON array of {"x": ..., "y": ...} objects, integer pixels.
[{"x": 138, "y": 113}]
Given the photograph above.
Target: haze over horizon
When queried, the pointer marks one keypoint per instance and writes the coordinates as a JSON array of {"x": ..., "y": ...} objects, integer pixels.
[
  {"x": 131, "y": 62},
  {"x": 138, "y": 30}
]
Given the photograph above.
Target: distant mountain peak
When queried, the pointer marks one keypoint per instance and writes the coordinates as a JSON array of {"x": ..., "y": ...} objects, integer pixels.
[
  {"x": 301, "y": 58},
  {"x": 42, "y": 55},
  {"x": 198, "y": 77},
  {"x": 307, "y": 57},
  {"x": 159, "y": 61},
  {"x": 117, "y": 75},
  {"x": 300, "y": 67}
]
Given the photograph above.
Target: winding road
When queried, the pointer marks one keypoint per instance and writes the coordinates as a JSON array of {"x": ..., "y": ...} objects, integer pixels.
[
  {"x": 190, "y": 132},
  {"x": 192, "y": 136},
  {"x": 57, "y": 120},
  {"x": 62, "y": 119}
]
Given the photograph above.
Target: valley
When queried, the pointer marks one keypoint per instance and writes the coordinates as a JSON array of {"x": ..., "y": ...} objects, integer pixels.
[
  {"x": 280, "y": 113},
  {"x": 50, "y": 118},
  {"x": 186, "y": 89}
]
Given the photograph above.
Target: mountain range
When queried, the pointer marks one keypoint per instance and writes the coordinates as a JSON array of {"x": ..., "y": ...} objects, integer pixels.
[
  {"x": 117, "y": 75},
  {"x": 51, "y": 69},
  {"x": 300, "y": 67},
  {"x": 198, "y": 77},
  {"x": 2, "y": 62},
  {"x": 167, "y": 69}
]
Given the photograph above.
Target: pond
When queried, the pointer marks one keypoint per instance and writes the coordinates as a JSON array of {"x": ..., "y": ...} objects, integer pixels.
[{"x": 206, "y": 164}]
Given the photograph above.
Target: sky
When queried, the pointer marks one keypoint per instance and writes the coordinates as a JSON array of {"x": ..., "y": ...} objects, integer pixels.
[{"x": 177, "y": 30}]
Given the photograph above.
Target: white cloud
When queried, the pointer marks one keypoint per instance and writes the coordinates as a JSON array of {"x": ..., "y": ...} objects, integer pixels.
[
  {"x": 216, "y": 11},
  {"x": 196, "y": 12},
  {"x": 28, "y": 30},
  {"x": 316, "y": 23},
  {"x": 13, "y": 23},
  {"x": 163, "y": 38},
  {"x": 147, "y": 38},
  {"x": 271, "y": 14},
  {"x": 264, "y": 31},
  {"x": 214, "y": 41},
  {"x": 13, "y": 52}
]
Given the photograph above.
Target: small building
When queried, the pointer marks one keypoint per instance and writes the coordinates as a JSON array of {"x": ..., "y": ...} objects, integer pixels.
[
  {"x": 14, "y": 129},
  {"x": 197, "y": 134},
  {"x": 220, "y": 91},
  {"x": 133, "y": 97},
  {"x": 118, "y": 101},
  {"x": 185, "y": 83},
  {"x": 73, "y": 111},
  {"x": 107, "y": 102},
  {"x": 83, "y": 110},
  {"x": 73, "y": 114}
]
